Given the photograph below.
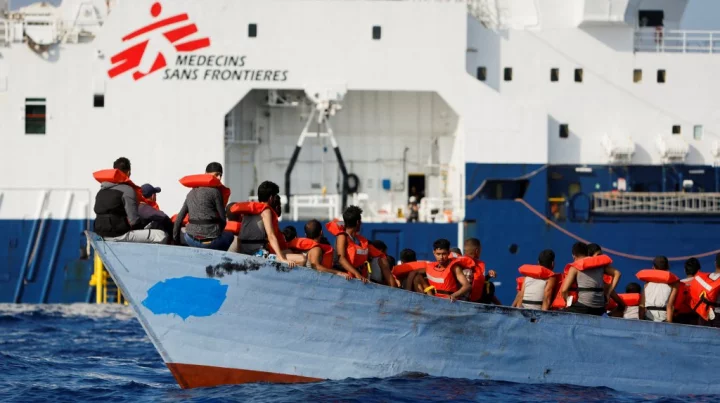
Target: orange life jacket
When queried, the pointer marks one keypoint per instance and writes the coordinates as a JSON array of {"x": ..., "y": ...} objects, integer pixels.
[
  {"x": 591, "y": 262},
  {"x": 683, "y": 302},
  {"x": 118, "y": 176},
  {"x": 203, "y": 180},
  {"x": 520, "y": 281},
  {"x": 233, "y": 226},
  {"x": 681, "y": 305},
  {"x": 357, "y": 254},
  {"x": 404, "y": 269},
  {"x": 538, "y": 272},
  {"x": 703, "y": 294},
  {"x": 256, "y": 208},
  {"x": 478, "y": 284},
  {"x": 305, "y": 244},
  {"x": 629, "y": 299},
  {"x": 443, "y": 280}
]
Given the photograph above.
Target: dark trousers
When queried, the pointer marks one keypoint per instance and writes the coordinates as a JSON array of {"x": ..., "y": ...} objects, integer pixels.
[
  {"x": 222, "y": 242},
  {"x": 586, "y": 310}
]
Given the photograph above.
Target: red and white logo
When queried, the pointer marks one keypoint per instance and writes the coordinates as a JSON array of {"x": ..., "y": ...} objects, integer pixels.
[{"x": 133, "y": 58}]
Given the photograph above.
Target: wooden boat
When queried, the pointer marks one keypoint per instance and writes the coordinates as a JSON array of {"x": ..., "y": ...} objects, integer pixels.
[{"x": 224, "y": 318}]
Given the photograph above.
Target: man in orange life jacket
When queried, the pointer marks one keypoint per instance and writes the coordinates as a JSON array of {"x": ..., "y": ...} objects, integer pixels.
[
  {"x": 537, "y": 293},
  {"x": 443, "y": 275},
  {"x": 149, "y": 210},
  {"x": 319, "y": 254},
  {"x": 116, "y": 209},
  {"x": 259, "y": 233},
  {"x": 206, "y": 209},
  {"x": 591, "y": 289},
  {"x": 657, "y": 302},
  {"x": 483, "y": 290},
  {"x": 708, "y": 283},
  {"x": 688, "y": 317},
  {"x": 595, "y": 250},
  {"x": 361, "y": 249}
]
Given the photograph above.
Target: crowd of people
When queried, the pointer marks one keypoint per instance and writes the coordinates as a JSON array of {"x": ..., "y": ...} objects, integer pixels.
[{"x": 130, "y": 213}]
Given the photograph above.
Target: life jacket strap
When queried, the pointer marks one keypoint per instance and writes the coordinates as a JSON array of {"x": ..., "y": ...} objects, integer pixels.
[
  {"x": 584, "y": 289},
  {"x": 529, "y": 302},
  {"x": 655, "y": 308}
]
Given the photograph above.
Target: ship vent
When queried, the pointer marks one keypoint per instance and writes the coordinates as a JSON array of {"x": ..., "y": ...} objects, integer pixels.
[
  {"x": 672, "y": 148},
  {"x": 619, "y": 148}
]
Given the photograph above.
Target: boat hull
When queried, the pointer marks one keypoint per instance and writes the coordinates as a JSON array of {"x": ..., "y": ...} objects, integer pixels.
[{"x": 221, "y": 318}]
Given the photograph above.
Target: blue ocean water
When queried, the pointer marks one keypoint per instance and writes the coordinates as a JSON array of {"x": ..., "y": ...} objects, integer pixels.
[{"x": 83, "y": 352}]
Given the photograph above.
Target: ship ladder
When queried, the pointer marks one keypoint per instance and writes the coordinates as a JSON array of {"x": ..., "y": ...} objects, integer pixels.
[{"x": 106, "y": 291}]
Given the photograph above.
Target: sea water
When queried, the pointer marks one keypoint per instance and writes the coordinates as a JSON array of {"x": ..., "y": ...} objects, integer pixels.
[{"x": 87, "y": 352}]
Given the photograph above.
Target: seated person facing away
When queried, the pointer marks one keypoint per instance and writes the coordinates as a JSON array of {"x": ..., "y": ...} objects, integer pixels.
[
  {"x": 150, "y": 212},
  {"x": 260, "y": 234},
  {"x": 316, "y": 248},
  {"x": 206, "y": 211},
  {"x": 116, "y": 209},
  {"x": 657, "y": 302},
  {"x": 483, "y": 291},
  {"x": 632, "y": 311},
  {"x": 445, "y": 275},
  {"x": 595, "y": 250},
  {"x": 537, "y": 291},
  {"x": 589, "y": 283},
  {"x": 353, "y": 250},
  {"x": 289, "y": 233}
]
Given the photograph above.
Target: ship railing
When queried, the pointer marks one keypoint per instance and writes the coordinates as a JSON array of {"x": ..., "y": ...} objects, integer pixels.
[
  {"x": 653, "y": 203},
  {"x": 440, "y": 210},
  {"x": 676, "y": 41}
]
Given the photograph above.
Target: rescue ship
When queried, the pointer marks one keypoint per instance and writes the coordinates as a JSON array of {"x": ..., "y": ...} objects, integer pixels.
[
  {"x": 525, "y": 124},
  {"x": 221, "y": 318}
]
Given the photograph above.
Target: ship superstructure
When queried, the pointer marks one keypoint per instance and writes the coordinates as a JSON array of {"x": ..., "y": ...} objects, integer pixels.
[{"x": 527, "y": 124}]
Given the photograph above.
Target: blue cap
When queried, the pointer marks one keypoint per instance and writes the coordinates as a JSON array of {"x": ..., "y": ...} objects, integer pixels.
[{"x": 149, "y": 190}]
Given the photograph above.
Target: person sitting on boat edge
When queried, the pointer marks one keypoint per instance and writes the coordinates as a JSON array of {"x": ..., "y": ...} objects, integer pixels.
[
  {"x": 204, "y": 206},
  {"x": 684, "y": 312},
  {"x": 289, "y": 233},
  {"x": 149, "y": 211},
  {"x": 116, "y": 207},
  {"x": 483, "y": 290},
  {"x": 586, "y": 276},
  {"x": 617, "y": 302},
  {"x": 319, "y": 255},
  {"x": 446, "y": 273},
  {"x": 540, "y": 283},
  {"x": 375, "y": 272},
  {"x": 705, "y": 296},
  {"x": 353, "y": 249},
  {"x": 260, "y": 233},
  {"x": 661, "y": 286},
  {"x": 631, "y": 299}
]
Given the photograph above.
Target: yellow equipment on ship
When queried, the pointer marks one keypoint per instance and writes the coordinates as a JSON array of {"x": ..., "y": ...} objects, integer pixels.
[{"x": 104, "y": 285}]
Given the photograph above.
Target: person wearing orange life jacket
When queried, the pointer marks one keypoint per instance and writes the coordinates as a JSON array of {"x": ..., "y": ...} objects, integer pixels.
[
  {"x": 319, "y": 254},
  {"x": 445, "y": 276},
  {"x": 705, "y": 296},
  {"x": 658, "y": 298},
  {"x": 595, "y": 250},
  {"x": 591, "y": 290},
  {"x": 684, "y": 312},
  {"x": 482, "y": 289},
  {"x": 204, "y": 206},
  {"x": 116, "y": 207},
  {"x": 539, "y": 284},
  {"x": 149, "y": 210},
  {"x": 260, "y": 233},
  {"x": 406, "y": 271},
  {"x": 353, "y": 250},
  {"x": 631, "y": 303}
]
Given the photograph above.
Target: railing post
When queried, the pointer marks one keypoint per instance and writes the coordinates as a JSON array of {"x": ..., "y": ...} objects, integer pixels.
[
  {"x": 684, "y": 42},
  {"x": 712, "y": 43}
]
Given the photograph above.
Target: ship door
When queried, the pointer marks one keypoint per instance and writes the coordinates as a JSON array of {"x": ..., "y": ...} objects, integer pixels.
[
  {"x": 651, "y": 18},
  {"x": 416, "y": 186}
]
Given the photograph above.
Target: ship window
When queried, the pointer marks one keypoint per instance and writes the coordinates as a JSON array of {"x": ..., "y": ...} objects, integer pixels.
[
  {"x": 376, "y": 32},
  {"x": 661, "y": 76},
  {"x": 697, "y": 132},
  {"x": 554, "y": 74},
  {"x": 482, "y": 73},
  {"x": 578, "y": 75},
  {"x": 99, "y": 101},
  {"x": 252, "y": 30},
  {"x": 503, "y": 189},
  {"x": 35, "y": 109},
  {"x": 637, "y": 75},
  {"x": 564, "y": 131},
  {"x": 507, "y": 74},
  {"x": 676, "y": 129},
  {"x": 651, "y": 18}
]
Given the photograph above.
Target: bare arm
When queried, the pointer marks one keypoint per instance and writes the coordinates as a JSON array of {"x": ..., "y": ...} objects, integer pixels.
[
  {"x": 616, "y": 278},
  {"x": 466, "y": 286},
  {"x": 548, "y": 296},
  {"x": 670, "y": 309},
  {"x": 315, "y": 258},
  {"x": 272, "y": 239},
  {"x": 568, "y": 282},
  {"x": 341, "y": 248},
  {"x": 519, "y": 297},
  {"x": 386, "y": 272}
]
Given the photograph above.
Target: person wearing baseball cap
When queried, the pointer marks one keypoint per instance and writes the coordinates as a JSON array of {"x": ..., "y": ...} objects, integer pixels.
[{"x": 150, "y": 211}]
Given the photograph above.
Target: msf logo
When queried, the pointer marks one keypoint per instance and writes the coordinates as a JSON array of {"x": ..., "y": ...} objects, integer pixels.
[{"x": 177, "y": 30}]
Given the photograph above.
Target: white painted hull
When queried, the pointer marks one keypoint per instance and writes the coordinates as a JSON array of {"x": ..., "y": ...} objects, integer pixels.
[{"x": 298, "y": 325}]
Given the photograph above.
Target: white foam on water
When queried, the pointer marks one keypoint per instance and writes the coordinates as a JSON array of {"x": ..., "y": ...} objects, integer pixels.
[{"x": 95, "y": 311}]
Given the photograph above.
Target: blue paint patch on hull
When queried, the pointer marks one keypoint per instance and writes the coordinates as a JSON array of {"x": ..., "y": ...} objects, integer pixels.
[{"x": 186, "y": 296}]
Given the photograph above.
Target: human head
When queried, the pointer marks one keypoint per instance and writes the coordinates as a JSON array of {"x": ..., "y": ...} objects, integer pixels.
[
  {"x": 692, "y": 266},
  {"x": 215, "y": 169},
  {"x": 579, "y": 250},
  {"x": 546, "y": 259},
  {"x": 456, "y": 251},
  {"x": 290, "y": 233},
  {"x": 633, "y": 288},
  {"x": 149, "y": 191},
  {"x": 313, "y": 229},
  {"x": 352, "y": 217},
  {"x": 594, "y": 249},
  {"x": 122, "y": 164},
  {"x": 472, "y": 248},
  {"x": 268, "y": 192},
  {"x": 661, "y": 263},
  {"x": 379, "y": 245},
  {"x": 230, "y": 215},
  {"x": 407, "y": 256},
  {"x": 441, "y": 250}
]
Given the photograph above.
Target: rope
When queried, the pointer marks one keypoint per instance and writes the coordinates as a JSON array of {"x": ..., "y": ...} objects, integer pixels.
[{"x": 610, "y": 251}]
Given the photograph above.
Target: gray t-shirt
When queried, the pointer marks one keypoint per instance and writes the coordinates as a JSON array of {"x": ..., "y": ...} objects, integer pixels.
[
  {"x": 592, "y": 278},
  {"x": 205, "y": 207}
]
